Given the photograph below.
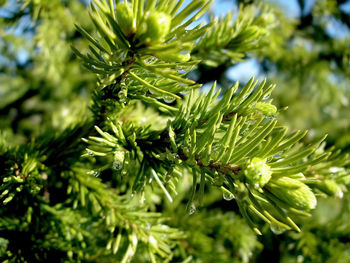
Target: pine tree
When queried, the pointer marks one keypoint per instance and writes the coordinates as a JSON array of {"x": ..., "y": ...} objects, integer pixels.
[{"x": 125, "y": 159}]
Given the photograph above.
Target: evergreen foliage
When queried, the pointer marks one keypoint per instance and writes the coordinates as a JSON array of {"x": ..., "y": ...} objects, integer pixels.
[{"x": 127, "y": 160}]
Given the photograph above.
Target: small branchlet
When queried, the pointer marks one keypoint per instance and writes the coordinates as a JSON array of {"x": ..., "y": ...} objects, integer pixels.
[
  {"x": 22, "y": 175},
  {"x": 146, "y": 45}
]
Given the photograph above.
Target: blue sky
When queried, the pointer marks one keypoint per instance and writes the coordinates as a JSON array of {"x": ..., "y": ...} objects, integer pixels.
[{"x": 244, "y": 70}]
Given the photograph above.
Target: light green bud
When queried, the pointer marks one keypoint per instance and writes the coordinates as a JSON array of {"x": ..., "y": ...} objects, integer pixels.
[
  {"x": 18, "y": 179},
  {"x": 266, "y": 108},
  {"x": 6, "y": 179},
  {"x": 4, "y": 193},
  {"x": 173, "y": 57},
  {"x": 330, "y": 187},
  {"x": 158, "y": 26},
  {"x": 124, "y": 18},
  {"x": 293, "y": 192},
  {"x": 8, "y": 199},
  {"x": 258, "y": 172}
]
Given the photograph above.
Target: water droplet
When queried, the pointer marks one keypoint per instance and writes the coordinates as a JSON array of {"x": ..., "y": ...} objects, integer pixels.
[
  {"x": 94, "y": 173},
  {"x": 334, "y": 170},
  {"x": 276, "y": 229},
  {"x": 270, "y": 118},
  {"x": 191, "y": 209},
  {"x": 168, "y": 99},
  {"x": 90, "y": 153},
  {"x": 148, "y": 226},
  {"x": 143, "y": 120},
  {"x": 182, "y": 70},
  {"x": 256, "y": 186},
  {"x": 339, "y": 194},
  {"x": 266, "y": 97},
  {"x": 142, "y": 200},
  {"x": 251, "y": 122},
  {"x": 150, "y": 60},
  {"x": 117, "y": 165},
  {"x": 244, "y": 132},
  {"x": 228, "y": 196},
  {"x": 300, "y": 259}
]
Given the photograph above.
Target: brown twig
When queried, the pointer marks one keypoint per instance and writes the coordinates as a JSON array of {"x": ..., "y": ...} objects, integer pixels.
[{"x": 224, "y": 169}]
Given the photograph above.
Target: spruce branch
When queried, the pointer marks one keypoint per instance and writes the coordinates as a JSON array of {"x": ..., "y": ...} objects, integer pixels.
[
  {"x": 142, "y": 41},
  {"x": 154, "y": 142},
  {"x": 127, "y": 221},
  {"x": 235, "y": 144},
  {"x": 149, "y": 47}
]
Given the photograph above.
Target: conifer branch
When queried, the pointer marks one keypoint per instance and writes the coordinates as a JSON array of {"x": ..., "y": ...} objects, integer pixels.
[{"x": 113, "y": 179}]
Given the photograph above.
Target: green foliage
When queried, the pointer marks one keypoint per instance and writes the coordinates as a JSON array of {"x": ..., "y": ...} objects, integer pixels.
[
  {"x": 132, "y": 162},
  {"x": 258, "y": 172},
  {"x": 229, "y": 39}
]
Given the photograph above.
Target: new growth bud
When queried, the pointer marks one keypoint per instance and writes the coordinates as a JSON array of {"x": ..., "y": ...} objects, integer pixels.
[
  {"x": 125, "y": 18},
  {"x": 293, "y": 192},
  {"x": 266, "y": 108},
  {"x": 258, "y": 172},
  {"x": 155, "y": 27},
  {"x": 330, "y": 187},
  {"x": 173, "y": 57},
  {"x": 158, "y": 26}
]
